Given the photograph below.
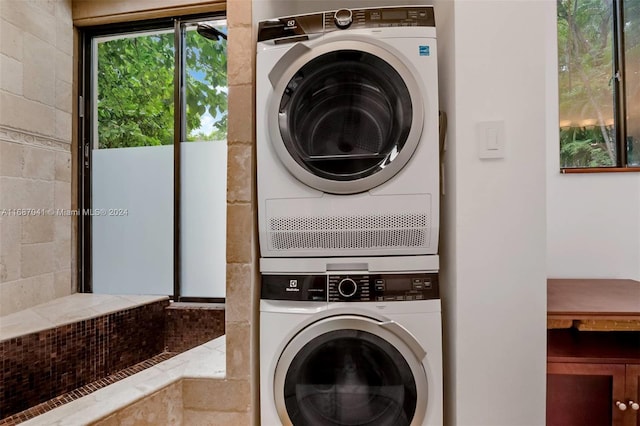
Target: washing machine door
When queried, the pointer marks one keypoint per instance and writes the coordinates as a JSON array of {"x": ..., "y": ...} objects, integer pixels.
[
  {"x": 351, "y": 370},
  {"x": 345, "y": 116}
]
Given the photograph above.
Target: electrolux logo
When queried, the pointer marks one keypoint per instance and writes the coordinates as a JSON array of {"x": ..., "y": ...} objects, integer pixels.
[
  {"x": 293, "y": 286},
  {"x": 424, "y": 50}
]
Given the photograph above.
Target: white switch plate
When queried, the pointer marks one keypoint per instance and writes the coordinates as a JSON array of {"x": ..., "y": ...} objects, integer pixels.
[{"x": 490, "y": 139}]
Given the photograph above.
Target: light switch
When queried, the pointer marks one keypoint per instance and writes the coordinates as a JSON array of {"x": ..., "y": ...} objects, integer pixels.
[{"x": 490, "y": 139}]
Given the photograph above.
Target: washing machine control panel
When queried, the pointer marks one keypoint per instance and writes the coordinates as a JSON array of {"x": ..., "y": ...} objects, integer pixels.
[
  {"x": 382, "y": 287},
  {"x": 351, "y": 287}
]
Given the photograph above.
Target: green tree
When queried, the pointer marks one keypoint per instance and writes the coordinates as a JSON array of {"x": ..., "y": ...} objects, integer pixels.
[{"x": 135, "y": 89}]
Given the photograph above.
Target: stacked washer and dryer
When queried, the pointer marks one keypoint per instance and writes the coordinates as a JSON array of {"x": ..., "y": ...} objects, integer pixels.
[{"x": 348, "y": 192}]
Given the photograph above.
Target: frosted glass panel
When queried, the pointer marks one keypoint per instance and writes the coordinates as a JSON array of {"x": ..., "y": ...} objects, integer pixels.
[
  {"x": 133, "y": 253},
  {"x": 203, "y": 218}
]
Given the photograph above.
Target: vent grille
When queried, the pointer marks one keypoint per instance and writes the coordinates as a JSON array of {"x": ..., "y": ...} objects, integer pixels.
[{"x": 350, "y": 232}]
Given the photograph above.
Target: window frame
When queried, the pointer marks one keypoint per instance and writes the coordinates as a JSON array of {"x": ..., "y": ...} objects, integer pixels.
[
  {"x": 87, "y": 132},
  {"x": 619, "y": 100}
]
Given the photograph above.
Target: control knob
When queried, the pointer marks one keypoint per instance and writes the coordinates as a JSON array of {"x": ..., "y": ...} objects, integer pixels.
[
  {"x": 347, "y": 288},
  {"x": 343, "y": 18}
]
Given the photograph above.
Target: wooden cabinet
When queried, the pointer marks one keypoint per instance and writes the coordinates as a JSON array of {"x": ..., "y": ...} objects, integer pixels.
[{"x": 593, "y": 377}]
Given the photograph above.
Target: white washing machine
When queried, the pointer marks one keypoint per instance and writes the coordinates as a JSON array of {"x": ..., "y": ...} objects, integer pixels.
[
  {"x": 347, "y": 133},
  {"x": 356, "y": 342}
]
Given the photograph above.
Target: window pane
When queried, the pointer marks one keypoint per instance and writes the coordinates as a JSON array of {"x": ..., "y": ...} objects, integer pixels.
[
  {"x": 135, "y": 90},
  {"x": 206, "y": 81},
  {"x": 585, "y": 60},
  {"x": 632, "y": 78}
]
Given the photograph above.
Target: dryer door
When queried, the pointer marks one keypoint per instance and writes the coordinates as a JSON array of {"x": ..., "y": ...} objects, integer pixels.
[
  {"x": 345, "y": 116},
  {"x": 351, "y": 370}
]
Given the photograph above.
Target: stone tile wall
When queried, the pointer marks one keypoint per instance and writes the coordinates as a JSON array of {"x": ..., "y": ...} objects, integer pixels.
[{"x": 36, "y": 76}]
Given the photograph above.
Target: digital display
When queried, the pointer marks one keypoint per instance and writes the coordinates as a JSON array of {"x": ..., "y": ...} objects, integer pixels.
[
  {"x": 394, "y": 14},
  {"x": 397, "y": 284}
]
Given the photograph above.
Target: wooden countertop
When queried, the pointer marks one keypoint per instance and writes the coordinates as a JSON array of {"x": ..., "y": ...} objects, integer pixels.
[{"x": 593, "y": 299}]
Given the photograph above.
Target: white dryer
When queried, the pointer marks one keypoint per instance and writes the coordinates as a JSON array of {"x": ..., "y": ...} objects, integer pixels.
[
  {"x": 347, "y": 133},
  {"x": 350, "y": 343}
]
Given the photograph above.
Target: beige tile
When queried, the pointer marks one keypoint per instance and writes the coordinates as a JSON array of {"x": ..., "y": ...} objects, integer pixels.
[
  {"x": 216, "y": 395},
  {"x": 38, "y": 259},
  {"x": 241, "y": 51},
  {"x": 11, "y": 75},
  {"x": 14, "y": 297},
  {"x": 239, "y": 13},
  {"x": 62, "y": 255},
  {"x": 18, "y": 193},
  {"x": 239, "y": 233},
  {"x": 63, "y": 122},
  {"x": 62, "y": 195},
  {"x": 238, "y": 349},
  {"x": 39, "y": 163},
  {"x": 10, "y": 242},
  {"x": 161, "y": 408},
  {"x": 21, "y": 113},
  {"x": 63, "y": 166},
  {"x": 213, "y": 418},
  {"x": 37, "y": 229},
  {"x": 62, "y": 227},
  {"x": 241, "y": 114},
  {"x": 63, "y": 96},
  {"x": 11, "y": 159},
  {"x": 39, "y": 81},
  {"x": 239, "y": 172},
  {"x": 11, "y": 40},
  {"x": 239, "y": 292},
  {"x": 29, "y": 17},
  {"x": 62, "y": 283},
  {"x": 20, "y": 323},
  {"x": 64, "y": 34},
  {"x": 64, "y": 67}
]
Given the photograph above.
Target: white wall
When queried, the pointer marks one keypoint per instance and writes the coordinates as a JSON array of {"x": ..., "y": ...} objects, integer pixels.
[{"x": 493, "y": 251}]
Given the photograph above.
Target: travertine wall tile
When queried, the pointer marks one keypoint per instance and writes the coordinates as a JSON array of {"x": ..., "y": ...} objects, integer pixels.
[
  {"x": 38, "y": 229},
  {"x": 240, "y": 173},
  {"x": 63, "y": 166},
  {"x": 63, "y": 122},
  {"x": 240, "y": 60},
  {"x": 11, "y": 40},
  {"x": 11, "y": 159},
  {"x": 216, "y": 395},
  {"x": 21, "y": 113},
  {"x": 38, "y": 259},
  {"x": 18, "y": 193},
  {"x": 210, "y": 418},
  {"x": 241, "y": 105},
  {"x": 62, "y": 195},
  {"x": 39, "y": 81},
  {"x": 62, "y": 254},
  {"x": 238, "y": 301},
  {"x": 64, "y": 67},
  {"x": 239, "y": 227},
  {"x": 10, "y": 241},
  {"x": 30, "y": 18},
  {"x": 62, "y": 283},
  {"x": 11, "y": 74},
  {"x": 161, "y": 408},
  {"x": 63, "y": 96},
  {"x": 39, "y": 163},
  {"x": 240, "y": 13},
  {"x": 239, "y": 349}
]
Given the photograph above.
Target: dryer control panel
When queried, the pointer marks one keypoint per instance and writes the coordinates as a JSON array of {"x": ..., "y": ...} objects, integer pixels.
[
  {"x": 299, "y": 27},
  {"x": 351, "y": 287}
]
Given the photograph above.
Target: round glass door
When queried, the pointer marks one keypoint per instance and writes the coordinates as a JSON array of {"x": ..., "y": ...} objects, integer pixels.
[
  {"x": 350, "y": 377},
  {"x": 345, "y": 116}
]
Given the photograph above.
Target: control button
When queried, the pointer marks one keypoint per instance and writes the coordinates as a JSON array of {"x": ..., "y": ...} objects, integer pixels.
[
  {"x": 343, "y": 18},
  {"x": 380, "y": 298},
  {"x": 399, "y": 297},
  {"x": 417, "y": 280},
  {"x": 427, "y": 284},
  {"x": 347, "y": 287},
  {"x": 408, "y": 297},
  {"x": 419, "y": 297}
]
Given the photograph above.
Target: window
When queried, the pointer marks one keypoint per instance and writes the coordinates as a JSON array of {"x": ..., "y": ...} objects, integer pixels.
[
  {"x": 599, "y": 84},
  {"x": 153, "y": 166}
]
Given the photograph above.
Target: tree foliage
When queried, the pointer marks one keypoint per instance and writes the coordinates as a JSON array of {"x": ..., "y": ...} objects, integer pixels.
[
  {"x": 136, "y": 89},
  {"x": 586, "y": 76}
]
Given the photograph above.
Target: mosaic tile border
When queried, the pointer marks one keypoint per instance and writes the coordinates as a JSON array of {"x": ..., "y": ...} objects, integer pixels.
[{"x": 85, "y": 390}]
